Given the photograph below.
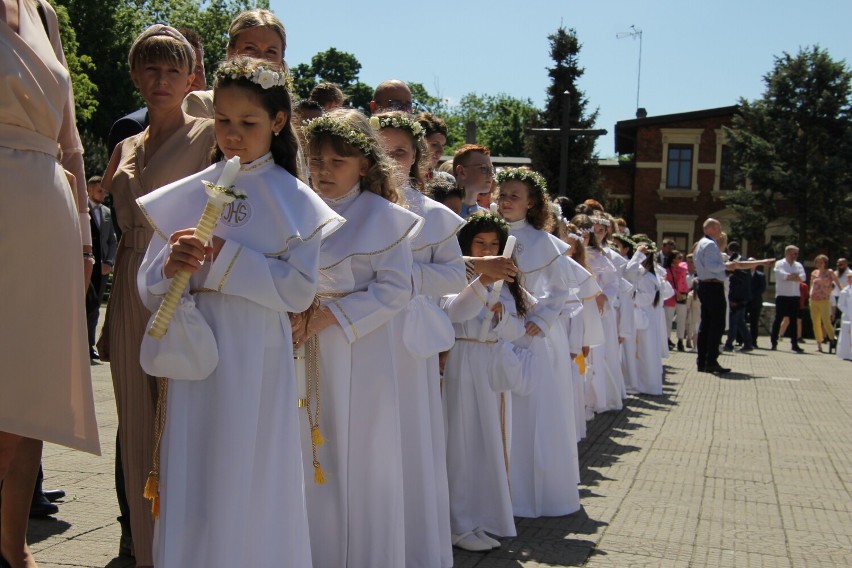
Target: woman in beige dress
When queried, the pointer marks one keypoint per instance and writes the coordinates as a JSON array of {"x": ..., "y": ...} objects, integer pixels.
[
  {"x": 173, "y": 146},
  {"x": 45, "y": 386}
]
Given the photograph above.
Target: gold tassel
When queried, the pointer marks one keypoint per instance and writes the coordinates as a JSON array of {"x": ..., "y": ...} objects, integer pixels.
[
  {"x": 319, "y": 474},
  {"x": 581, "y": 363},
  {"x": 316, "y": 436},
  {"x": 152, "y": 493}
]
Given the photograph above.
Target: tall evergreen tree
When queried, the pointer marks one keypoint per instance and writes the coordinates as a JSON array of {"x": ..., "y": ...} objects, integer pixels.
[
  {"x": 544, "y": 151},
  {"x": 795, "y": 143}
]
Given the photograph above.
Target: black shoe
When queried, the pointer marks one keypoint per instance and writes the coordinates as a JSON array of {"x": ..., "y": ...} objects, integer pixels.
[
  {"x": 717, "y": 369},
  {"x": 832, "y": 346},
  {"x": 671, "y": 345},
  {"x": 700, "y": 368},
  {"x": 798, "y": 349},
  {"x": 93, "y": 354},
  {"x": 746, "y": 349},
  {"x": 125, "y": 545},
  {"x": 680, "y": 345},
  {"x": 774, "y": 347},
  {"x": 53, "y": 494},
  {"x": 729, "y": 347},
  {"x": 41, "y": 507}
]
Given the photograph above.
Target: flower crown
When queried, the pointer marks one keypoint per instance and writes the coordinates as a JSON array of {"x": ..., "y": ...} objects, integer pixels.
[
  {"x": 337, "y": 127},
  {"x": 522, "y": 174},
  {"x": 414, "y": 128},
  {"x": 263, "y": 75},
  {"x": 480, "y": 218},
  {"x": 597, "y": 220}
]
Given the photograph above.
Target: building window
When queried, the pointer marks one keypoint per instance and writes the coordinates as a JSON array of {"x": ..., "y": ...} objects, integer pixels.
[{"x": 679, "y": 167}]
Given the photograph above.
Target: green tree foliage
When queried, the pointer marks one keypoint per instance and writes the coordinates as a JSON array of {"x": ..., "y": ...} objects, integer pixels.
[
  {"x": 333, "y": 66},
  {"x": 500, "y": 120},
  {"x": 423, "y": 100},
  {"x": 85, "y": 91},
  {"x": 544, "y": 151},
  {"x": 795, "y": 142},
  {"x": 104, "y": 33}
]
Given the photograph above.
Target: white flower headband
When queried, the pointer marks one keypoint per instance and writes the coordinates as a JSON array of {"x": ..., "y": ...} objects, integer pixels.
[
  {"x": 574, "y": 236},
  {"x": 413, "y": 127},
  {"x": 262, "y": 75},
  {"x": 586, "y": 231},
  {"x": 601, "y": 221}
]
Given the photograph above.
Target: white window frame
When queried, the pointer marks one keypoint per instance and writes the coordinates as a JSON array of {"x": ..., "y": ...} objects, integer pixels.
[
  {"x": 680, "y": 137},
  {"x": 671, "y": 223}
]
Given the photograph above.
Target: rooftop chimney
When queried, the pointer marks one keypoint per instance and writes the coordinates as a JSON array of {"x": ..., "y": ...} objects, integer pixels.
[{"x": 641, "y": 112}]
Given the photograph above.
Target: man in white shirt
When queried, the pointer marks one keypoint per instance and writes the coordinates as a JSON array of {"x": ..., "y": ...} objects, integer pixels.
[{"x": 788, "y": 273}]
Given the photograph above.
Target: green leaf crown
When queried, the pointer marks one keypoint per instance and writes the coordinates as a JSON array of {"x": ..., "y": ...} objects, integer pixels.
[
  {"x": 336, "y": 127},
  {"x": 525, "y": 175}
]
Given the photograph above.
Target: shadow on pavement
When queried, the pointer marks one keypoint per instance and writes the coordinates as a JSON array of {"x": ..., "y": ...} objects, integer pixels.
[
  {"x": 559, "y": 540},
  {"x": 42, "y": 529}
]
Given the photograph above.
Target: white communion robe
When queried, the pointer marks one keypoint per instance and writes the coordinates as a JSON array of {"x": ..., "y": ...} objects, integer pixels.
[
  {"x": 356, "y": 518},
  {"x": 438, "y": 270},
  {"x": 844, "y": 341},
  {"x": 632, "y": 273},
  {"x": 649, "y": 333},
  {"x": 230, "y": 470},
  {"x": 581, "y": 284},
  {"x": 544, "y": 466},
  {"x": 623, "y": 306},
  {"x": 477, "y": 436},
  {"x": 607, "y": 378}
]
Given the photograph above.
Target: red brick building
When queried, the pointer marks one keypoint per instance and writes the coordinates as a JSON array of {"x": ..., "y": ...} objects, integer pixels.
[{"x": 674, "y": 171}]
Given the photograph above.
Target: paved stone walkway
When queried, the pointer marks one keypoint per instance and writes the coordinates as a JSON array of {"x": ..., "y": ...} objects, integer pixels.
[{"x": 750, "y": 469}]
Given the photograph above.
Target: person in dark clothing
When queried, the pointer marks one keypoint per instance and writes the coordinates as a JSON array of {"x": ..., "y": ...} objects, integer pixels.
[
  {"x": 755, "y": 304},
  {"x": 739, "y": 297}
]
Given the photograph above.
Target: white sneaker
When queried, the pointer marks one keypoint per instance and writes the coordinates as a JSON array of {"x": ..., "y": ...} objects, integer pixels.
[
  {"x": 483, "y": 536},
  {"x": 470, "y": 542}
]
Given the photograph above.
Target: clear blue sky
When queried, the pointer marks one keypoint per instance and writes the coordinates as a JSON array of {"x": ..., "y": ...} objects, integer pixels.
[{"x": 695, "y": 55}]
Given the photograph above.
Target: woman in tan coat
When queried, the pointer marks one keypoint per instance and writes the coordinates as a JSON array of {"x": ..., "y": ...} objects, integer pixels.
[{"x": 173, "y": 146}]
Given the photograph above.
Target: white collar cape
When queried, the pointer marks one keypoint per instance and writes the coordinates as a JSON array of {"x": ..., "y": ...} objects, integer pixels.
[
  {"x": 374, "y": 225},
  {"x": 579, "y": 280},
  {"x": 440, "y": 224},
  {"x": 277, "y": 209},
  {"x": 536, "y": 249}
]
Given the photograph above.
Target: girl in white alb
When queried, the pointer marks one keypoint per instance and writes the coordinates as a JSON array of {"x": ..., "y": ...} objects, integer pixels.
[
  {"x": 607, "y": 379},
  {"x": 356, "y": 517},
  {"x": 478, "y": 374},
  {"x": 438, "y": 270},
  {"x": 544, "y": 467},
  {"x": 230, "y": 458}
]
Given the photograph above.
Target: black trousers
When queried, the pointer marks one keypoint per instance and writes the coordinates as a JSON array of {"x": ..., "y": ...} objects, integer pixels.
[
  {"x": 753, "y": 317},
  {"x": 786, "y": 306},
  {"x": 713, "y": 310}
]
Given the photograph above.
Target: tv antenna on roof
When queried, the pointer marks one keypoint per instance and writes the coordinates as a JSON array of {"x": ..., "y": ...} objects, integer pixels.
[{"x": 634, "y": 33}]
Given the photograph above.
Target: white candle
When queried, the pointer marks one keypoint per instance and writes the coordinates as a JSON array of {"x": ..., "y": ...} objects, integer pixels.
[
  {"x": 229, "y": 174},
  {"x": 495, "y": 291}
]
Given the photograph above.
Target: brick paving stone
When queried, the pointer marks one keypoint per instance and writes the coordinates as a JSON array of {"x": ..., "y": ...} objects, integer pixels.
[{"x": 753, "y": 469}]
